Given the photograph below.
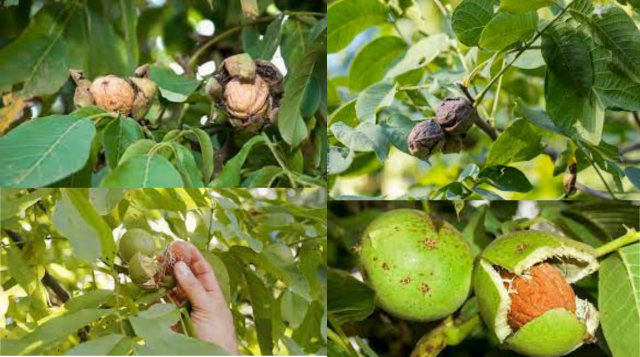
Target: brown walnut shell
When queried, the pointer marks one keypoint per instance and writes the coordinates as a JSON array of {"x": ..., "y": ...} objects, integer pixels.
[
  {"x": 456, "y": 115},
  {"x": 244, "y": 100},
  {"x": 425, "y": 138},
  {"x": 537, "y": 291},
  {"x": 113, "y": 94}
]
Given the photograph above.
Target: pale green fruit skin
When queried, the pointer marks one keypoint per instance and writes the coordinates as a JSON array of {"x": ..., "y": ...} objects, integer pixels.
[
  {"x": 419, "y": 272},
  {"x": 142, "y": 268},
  {"x": 507, "y": 251},
  {"x": 134, "y": 241},
  {"x": 554, "y": 333}
]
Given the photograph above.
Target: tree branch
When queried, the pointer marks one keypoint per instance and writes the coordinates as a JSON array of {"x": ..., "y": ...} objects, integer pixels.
[
  {"x": 593, "y": 192},
  {"x": 47, "y": 280}
]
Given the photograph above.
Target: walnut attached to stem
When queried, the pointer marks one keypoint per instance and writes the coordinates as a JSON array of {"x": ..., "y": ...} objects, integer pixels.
[
  {"x": 248, "y": 91},
  {"x": 131, "y": 97},
  {"x": 425, "y": 139}
]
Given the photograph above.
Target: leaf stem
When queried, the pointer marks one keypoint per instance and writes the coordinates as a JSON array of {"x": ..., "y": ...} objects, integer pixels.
[
  {"x": 630, "y": 237},
  {"x": 586, "y": 155},
  {"x": 519, "y": 53},
  {"x": 279, "y": 159},
  {"x": 228, "y": 33},
  {"x": 340, "y": 337}
]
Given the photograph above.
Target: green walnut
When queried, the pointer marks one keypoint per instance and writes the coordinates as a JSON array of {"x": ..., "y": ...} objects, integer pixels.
[
  {"x": 142, "y": 270},
  {"x": 420, "y": 267},
  {"x": 136, "y": 241},
  {"x": 522, "y": 283}
]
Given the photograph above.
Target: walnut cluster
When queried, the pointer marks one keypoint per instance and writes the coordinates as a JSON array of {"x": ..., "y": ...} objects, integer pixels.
[
  {"x": 445, "y": 132},
  {"x": 131, "y": 97}
]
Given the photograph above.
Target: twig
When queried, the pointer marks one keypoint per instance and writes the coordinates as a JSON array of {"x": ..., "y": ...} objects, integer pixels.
[
  {"x": 629, "y": 148},
  {"x": 284, "y": 167},
  {"x": 630, "y": 237},
  {"x": 194, "y": 59},
  {"x": 486, "y": 127},
  {"x": 586, "y": 155},
  {"x": 465, "y": 90},
  {"x": 47, "y": 279},
  {"x": 593, "y": 192},
  {"x": 636, "y": 117},
  {"x": 519, "y": 53}
]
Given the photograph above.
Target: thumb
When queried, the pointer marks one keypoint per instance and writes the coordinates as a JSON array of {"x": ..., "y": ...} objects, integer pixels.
[{"x": 190, "y": 285}]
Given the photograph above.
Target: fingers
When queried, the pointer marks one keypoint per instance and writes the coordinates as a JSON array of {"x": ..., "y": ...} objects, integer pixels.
[
  {"x": 202, "y": 270},
  {"x": 191, "y": 285}
]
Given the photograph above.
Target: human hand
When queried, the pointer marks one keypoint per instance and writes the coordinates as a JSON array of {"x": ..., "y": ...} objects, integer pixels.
[{"x": 210, "y": 314}]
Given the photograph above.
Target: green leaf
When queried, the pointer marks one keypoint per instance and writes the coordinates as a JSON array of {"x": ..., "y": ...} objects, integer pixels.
[
  {"x": 154, "y": 326},
  {"x": 108, "y": 52},
  {"x": 541, "y": 119},
  {"x": 350, "y": 299},
  {"x": 186, "y": 165},
  {"x": 90, "y": 300},
  {"x": 521, "y": 141},
  {"x": 420, "y": 54},
  {"x": 173, "y": 87},
  {"x": 262, "y": 306},
  {"x": 53, "y": 330},
  {"x": 139, "y": 148},
  {"x": 470, "y": 18},
  {"x": 505, "y": 178},
  {"x": 264, "y": 177},
  {"x": 615, "y": 90},
  {"x": 340, "y": 159},
  {"x": 581, "y": 11},
  {"x": 374, "y": 60},
  {"x": 129, "y": 19},
  {"x": 372, "y": 99},
  {"x": 365, "y": 137},
  {"x": 290, "y": 121},
  {"x": 144, "y": 171},
  {"x": 520, "y": 7},
  {"x": 265, "y": 47},
  {"x": 89, "y": 234},
  {"x": 347, "y": 18},
  {"x": 566, "y": 52},
  {"x": 109, "y": 345},
  {"x": 312, "y": 97},
  {"x": 618, "y": 32},
  {"x": 285, "y": 270},
  {"x": 397, "y": 129},
  {"x": 117, "y": 137},
  {"x": 206, "y": 148},
  {"x": 293, "y": 308},
  {"x": 38, "y": 58},
  {"x": 230, "y": 175},
  {"x": 10, "y": 207},
  {"x": 345, "y": 114},
  {"x": 45, "y": 150},
  {"x": 506, "y": 29},
  {"x": 570, "y": 111},
  {"x": 633, "y": 174},
  {"x": 618, "y": 292}
]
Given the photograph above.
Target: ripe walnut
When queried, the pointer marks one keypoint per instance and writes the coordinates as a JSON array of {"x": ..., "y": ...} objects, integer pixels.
[
  {"x": 456, "y": 115},
  {"x": 248, "y": 91},
  {"x": 425, "y": 138},
  {"x": 542, "y": 289},
  {"x": 247, "y": 99},
  {"x": 113, "y": 94}
]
